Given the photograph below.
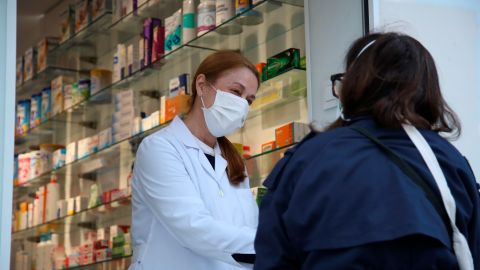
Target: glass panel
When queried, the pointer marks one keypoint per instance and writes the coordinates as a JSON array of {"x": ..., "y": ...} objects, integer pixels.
[
  {"x": 114, "y": 263},
  {"x": 280, "y": 90},
  {"x": 85, "y": 167},
  {"x": 258, "y": 167},
  {"x": 42, "y": 79},
  {"x": 84, "y": 118},
  {"x": 89, "y": 218},
  {"x": 263, "y": 22}
]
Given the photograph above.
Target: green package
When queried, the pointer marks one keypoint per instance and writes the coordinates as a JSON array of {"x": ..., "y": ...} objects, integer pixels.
[{"x": 282, "y": 62}]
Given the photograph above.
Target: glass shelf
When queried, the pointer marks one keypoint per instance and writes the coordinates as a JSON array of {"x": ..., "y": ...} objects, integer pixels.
[
  {"x": 84, "y": 41},
  {"x": 124, "y": 260},
  {"x": 103, "y": 35},
  {"x": 41, "y": 80},
  {"x": 282, "y": 89},
  {"x": 207, "y": 41},
  {"x": 255, "y": 26},
  {"x": 286, "y": 87},
  {"x": 99, "y": 161},
  {"x": 86, "y": 218},
  {"x": 80, "y": 116}
]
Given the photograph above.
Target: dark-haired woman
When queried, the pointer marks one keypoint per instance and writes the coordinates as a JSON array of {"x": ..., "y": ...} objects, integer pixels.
[
  {"x": 192, "y": 205},
  {"x": 380, "y": 188}
]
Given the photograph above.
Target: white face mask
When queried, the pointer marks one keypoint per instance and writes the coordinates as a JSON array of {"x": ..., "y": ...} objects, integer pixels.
[{"x": 227, "y": 113}]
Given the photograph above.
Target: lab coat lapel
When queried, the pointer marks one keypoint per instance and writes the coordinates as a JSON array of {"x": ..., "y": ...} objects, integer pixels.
[
  {"x": 220, "y": 163},
  {"x": 206, "y": 164},
  {"x": 181, "y": 131}
]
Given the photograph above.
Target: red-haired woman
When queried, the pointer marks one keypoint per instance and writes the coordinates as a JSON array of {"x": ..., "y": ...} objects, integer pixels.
[{"x": 192, "y": 204}]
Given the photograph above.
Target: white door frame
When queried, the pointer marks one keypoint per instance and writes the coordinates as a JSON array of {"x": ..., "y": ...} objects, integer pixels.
[{"x": 8, "y": 36}]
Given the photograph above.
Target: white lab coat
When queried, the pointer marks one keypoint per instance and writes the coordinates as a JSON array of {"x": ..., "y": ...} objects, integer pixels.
[{"x": 187, "y": 216}]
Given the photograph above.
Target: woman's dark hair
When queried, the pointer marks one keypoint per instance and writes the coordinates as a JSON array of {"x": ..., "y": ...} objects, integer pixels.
[
  {"x": 212, "y": 67},
  {"x": 394, "y": 80}
]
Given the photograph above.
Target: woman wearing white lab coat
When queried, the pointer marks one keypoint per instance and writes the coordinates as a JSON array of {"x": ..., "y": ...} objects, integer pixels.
[{"x": 192, "y": 204}]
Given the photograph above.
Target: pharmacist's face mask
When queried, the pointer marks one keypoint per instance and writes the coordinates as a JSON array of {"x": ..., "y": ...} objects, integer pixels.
[{"x": 227, "y": 113}]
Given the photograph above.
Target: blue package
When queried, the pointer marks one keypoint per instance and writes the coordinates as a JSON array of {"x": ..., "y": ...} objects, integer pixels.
[
  {"x": 23, "y": 116},
  {"x": 46, "y": 104},
  {"x": 35, "y": 110}
]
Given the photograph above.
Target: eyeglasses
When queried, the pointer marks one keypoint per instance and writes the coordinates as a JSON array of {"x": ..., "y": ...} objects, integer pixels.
[{"x": 336, "y": 80}]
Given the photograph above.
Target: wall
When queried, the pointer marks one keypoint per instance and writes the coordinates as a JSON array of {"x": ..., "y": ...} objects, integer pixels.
[
  {"x": 450, "y": 30},
  {"x": 331, "y": 26}
]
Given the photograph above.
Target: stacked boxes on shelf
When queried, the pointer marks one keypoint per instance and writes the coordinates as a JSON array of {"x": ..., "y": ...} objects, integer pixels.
[{"x": 125, "y": 115}]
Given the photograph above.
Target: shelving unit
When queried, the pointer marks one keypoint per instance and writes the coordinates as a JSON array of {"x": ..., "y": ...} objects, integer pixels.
[{"x": 266, "y": 29}]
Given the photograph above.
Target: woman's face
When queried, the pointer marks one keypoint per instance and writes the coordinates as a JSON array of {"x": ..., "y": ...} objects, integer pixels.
[{"x": 237, "y": 81}]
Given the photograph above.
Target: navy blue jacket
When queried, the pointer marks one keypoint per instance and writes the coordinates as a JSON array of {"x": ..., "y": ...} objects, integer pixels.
[{"x": 336, "y": 201}]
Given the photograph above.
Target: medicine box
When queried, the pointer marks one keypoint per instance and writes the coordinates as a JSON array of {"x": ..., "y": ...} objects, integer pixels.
[
  {"x": 71, "y": 154},
  {"x": 282, "y": 62},
  {"x": 176, "y": 105},
  {"x": 68, "y": 91},
  {"x": 258, "y": 193},
  {"x": 178, "y": 85},
  {"x": 100, "y": 7},
  {"x": 104, "y": 138},
  {"x": 67, "y": 27},
  {"x": 58, "y": 84},
  {"x": 158, "y": 42},
  {"x": 43, "y": 47},
  {"x": 46, "y": 104},
  {"x": 29, "y": 64},
  {"x": 83, "y": 14},
  {"x": 290, "y": 133},
  {"x": 268, "y": 146},
  {"x": 59, "y": 156}
]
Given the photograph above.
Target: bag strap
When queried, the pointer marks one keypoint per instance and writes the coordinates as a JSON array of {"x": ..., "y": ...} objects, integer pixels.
[{"x": 412, "y": 174}]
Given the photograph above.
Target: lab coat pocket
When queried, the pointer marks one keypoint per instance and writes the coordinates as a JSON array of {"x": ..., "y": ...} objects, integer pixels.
[{"x": 248, "y": 207}]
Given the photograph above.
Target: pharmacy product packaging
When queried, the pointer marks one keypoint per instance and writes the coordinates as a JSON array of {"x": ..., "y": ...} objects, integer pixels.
[
  {"x": 104, "y": 138},
  {"x": 43, "y": 48},
  {"x": 83, "y": 14},
  {"x": 83, "y": 148},
  {"x": 59, "y": 156},
  {"x": 46, "y": 104},
  {"x": 158, "y": 42},
  {"x": 58, "y": 84},
  {"x": 35, "y": 110},
  {"x": 23, "y": 168},
  {"x": 282, "y": 62},
  {"x": 258, "y": 194},
  {"x": 173, "y": 31},
  {"x": 81, "y": 92},
  {"x": 68, "y": 90},
  {"x": 99, "y": 79},
  {"x": 52, "y": 196},
  {"x": 23, "y": 116},
  {"x": 206, "y": 17},
  {"x": 19, "y": 71},
  {"x": 100, "y": 7},
  {"x": 290, "y": 133},
  {"x": 178, "y": 85},
  {"x": 67, "y": 27},
  {"x": 30, "y": 64},
  {"x": 241, "y": 6},
  {"x": 122, "y": 61},
  {"x": 225, "y": 10},
  {"x": 71, "y": 154},
  {"x": 148, "y": 25},
  {"x": 189, "y": 30},
  {"x": 141, "y": 53}
]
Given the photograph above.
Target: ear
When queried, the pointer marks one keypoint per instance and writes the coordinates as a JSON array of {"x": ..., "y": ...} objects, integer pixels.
[{"x": 200, "y": 84}]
